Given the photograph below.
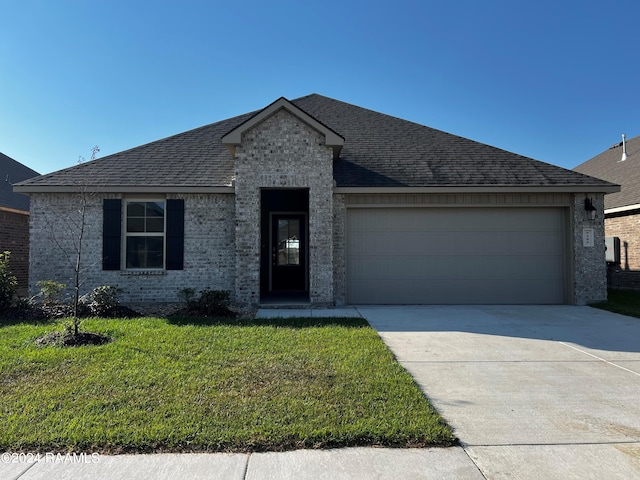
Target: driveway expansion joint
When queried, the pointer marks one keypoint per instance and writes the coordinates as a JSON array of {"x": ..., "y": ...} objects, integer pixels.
[{"x": 600, "y": 359}]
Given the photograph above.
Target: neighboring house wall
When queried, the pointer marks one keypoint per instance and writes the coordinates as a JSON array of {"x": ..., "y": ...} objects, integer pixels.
[
  {"x": 627, "y": 229},
  {"x": 14, "y": 237},
  {"x": 625, "y": 226},
  {"x": 283, "y": 152},
  {"x": 209, "y": 251}
]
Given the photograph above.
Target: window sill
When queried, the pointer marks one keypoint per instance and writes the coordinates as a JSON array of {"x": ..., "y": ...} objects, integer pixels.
[{"x": 142, "y": 273}]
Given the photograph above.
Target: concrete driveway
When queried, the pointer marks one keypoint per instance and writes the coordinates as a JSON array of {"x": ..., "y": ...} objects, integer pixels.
[{"x": 531, "y": 391}]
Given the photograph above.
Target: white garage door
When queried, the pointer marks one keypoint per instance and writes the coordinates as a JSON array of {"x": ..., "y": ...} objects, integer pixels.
[{"x": 456, "y": 256}]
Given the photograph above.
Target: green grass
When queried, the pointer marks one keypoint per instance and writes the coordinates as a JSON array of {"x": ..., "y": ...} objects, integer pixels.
[
  {"x": 194, "y": 385},
  {"x": 626, "y": 302}
]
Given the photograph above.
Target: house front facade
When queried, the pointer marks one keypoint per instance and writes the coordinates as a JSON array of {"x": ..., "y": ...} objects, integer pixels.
[{"x": 321, "y": 202}]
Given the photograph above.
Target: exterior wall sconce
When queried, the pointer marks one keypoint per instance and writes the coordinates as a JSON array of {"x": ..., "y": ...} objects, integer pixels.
[{"x": 591, "y": 210}]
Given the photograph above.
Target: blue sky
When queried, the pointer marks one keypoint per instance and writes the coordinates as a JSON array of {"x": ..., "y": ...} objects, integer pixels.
[{"x": 554, "y": 80}]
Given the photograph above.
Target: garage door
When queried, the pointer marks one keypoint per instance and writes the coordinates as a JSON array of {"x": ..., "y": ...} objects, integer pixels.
[{"x": 456, "y": 256}]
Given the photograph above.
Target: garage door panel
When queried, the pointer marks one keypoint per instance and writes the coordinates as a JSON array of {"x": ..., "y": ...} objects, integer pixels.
[
  {"x": 460, "y": 243},
  {"x": 455, "y": 219},
  {"x": 448, "y": 292},
  {"x": 495, "y": 255},
  {"x": 450, "y": 267}
]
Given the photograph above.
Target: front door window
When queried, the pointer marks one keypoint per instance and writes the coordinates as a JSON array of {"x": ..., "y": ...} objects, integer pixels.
[
  {"x": 288, "y": 252},
  {"x": 288, "y": 242}
]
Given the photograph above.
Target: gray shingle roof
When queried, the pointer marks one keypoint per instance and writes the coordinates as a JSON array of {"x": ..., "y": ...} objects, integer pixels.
[
  {"x": 607, "y": 166},
  {"x": 196, "y": 158},
  {"x": 12, "y": 172},
  {"x": 379, "y": 151}
]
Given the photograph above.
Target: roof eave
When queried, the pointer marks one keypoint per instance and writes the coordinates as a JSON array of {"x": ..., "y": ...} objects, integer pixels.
[
  {"x": 13, "y": 210},
  {"x": 124, "y": 189},
  {"x": 485, "y": 189},
  {"x": 626, "y": 208},
  {"x": 230, "y": 189}
]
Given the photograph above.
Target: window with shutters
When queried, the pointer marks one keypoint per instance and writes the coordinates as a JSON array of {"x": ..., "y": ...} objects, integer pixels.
[{"x": 144, "y": 234}]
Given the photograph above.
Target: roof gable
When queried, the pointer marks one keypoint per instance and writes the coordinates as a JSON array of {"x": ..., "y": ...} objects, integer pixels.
[{"x": 234, "y": 137}]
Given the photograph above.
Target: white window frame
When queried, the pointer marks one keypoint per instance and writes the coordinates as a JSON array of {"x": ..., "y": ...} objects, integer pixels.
[{"x": 126, "y": 235}]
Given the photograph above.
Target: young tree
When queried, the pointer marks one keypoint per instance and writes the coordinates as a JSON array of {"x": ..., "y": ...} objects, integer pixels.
[{"x": 75, "y": 226}]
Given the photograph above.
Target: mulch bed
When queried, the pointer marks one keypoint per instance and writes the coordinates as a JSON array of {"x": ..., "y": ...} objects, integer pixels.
[{"x": 69, "y": 339}]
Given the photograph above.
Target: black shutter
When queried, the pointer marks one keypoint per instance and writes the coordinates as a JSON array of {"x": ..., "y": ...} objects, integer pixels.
[
  {"x": 175, "y": 234},
  {"x": 111, "y": 233}
]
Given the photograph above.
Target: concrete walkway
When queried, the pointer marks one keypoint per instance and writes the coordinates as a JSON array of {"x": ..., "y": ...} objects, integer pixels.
[
  {"x": 532, "y": 393},
  {"x": 308, "y": 312}
]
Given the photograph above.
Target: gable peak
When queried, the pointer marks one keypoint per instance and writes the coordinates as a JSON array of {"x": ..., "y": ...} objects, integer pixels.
[{"x": 234, "y": 138}]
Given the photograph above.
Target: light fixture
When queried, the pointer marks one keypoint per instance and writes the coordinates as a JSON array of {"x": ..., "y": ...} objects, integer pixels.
[{"x": 591, "y": 210}]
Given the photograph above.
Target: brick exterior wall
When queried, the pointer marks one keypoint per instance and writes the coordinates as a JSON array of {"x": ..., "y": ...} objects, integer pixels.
[
  {"x": 339, "y": 250},
  {"x": 284, "y": 152},
  {"x": 14, "y": 237},
  {"x": 626, "y": 274},
  {"x": 589, "y": 266},
  {"x": 213, "y": 257},
  {"x": 209, "y": 248},
  {"x": 618, "y": 279},
  {"x": 627, "y": 228}
]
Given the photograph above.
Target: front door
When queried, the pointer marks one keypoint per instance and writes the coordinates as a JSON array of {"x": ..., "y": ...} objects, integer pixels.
[{"x": 288, "y": 252}]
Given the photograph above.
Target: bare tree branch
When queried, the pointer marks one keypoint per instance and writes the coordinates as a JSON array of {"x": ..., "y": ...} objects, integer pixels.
[{"x": 75, "y": 235}]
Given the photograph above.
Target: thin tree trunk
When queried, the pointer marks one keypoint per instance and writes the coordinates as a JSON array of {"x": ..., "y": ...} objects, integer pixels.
[{"x": 76, "y": 295}]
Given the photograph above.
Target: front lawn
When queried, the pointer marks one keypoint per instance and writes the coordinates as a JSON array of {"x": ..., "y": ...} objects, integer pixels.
[
  {"x": 626, "y": 302},
  {"x": 204, "y": 385}
]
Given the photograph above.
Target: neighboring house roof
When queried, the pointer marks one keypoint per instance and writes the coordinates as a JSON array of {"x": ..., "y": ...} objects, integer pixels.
[
  {"x": 379, "y": 151},
  {"x": 12, "y": 172},
  {"x": 609, "y": 166}
]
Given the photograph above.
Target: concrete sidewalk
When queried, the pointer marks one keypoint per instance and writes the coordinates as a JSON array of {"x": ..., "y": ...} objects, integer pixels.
[{"x": 348, "y": 463}]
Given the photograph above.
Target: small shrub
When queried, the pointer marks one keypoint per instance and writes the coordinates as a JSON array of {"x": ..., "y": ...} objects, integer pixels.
[
  {"x": 56, "y": 310},
  {"x": 103, "y": 300},
  {"x": 214, "y": 303},
  {"x": 210, "y": 303},
  {"x": 187, "y": 295},
  {"x": 49, "y": 300},
  {"x": 7, "y": 282},
  {"x": 50, "y": 291}
]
